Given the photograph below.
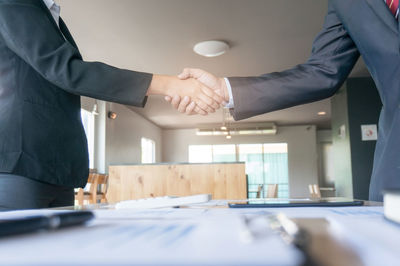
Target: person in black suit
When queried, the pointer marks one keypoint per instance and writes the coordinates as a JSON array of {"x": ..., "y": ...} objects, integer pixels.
[
  {"x": 366, "y": 27},
  {"x": 43, "y": 147}
]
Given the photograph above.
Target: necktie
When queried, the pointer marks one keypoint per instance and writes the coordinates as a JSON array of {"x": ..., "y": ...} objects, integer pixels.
[{"x": 394, "y": 7}]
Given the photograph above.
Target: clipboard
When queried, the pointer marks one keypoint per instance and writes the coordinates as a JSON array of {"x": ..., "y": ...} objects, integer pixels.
[{"x": 290, "y": 203}]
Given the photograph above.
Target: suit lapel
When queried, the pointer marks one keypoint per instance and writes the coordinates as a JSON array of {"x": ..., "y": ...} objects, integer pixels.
[
  {"x": 383, "y": 12},
  {"x": 48, "y": 13},
  {"x": 63, "y": 27},
  {"x": 67, "y": 34}
]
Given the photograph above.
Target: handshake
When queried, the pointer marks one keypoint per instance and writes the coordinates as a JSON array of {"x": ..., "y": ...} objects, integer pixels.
[{"x": 194, "y": 91}]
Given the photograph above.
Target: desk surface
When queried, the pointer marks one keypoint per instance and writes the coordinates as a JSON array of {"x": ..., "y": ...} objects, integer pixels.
[{"x": 209, "y": 235}]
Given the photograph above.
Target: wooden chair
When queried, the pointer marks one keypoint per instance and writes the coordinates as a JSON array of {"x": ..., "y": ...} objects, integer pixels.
[
  {"x": 315, "y": 191},
  {"x": 272, "y": 191},
  {"x": 259, "y": 190},
  {"x": 98, "y": 184}
]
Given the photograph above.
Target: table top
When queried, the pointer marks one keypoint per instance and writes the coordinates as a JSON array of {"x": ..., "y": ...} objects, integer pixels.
[{"x": 337, "y": 236}]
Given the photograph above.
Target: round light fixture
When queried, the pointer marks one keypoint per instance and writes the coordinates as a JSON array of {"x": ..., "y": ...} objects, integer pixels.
[{"x": 211, "y": 48}]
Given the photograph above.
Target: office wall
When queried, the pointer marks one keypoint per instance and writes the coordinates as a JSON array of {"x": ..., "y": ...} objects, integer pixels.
[
  {"x": 302, "y": 151},
  {"x": 123, "y": 136},
  {"x": 356, "y": 104},
  {"x": 363, "y": 110},
  {"x": 341, "y": 144},
  {"x": 119, "y": 141},
  {"x": 325, "y": 158}
]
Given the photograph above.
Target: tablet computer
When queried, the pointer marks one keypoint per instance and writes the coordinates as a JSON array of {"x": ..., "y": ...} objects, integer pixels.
[{"x": 281, "y": 203}]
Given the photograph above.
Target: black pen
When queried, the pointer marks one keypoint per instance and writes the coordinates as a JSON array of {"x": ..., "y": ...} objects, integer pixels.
[{"x": 54, "y": 221}]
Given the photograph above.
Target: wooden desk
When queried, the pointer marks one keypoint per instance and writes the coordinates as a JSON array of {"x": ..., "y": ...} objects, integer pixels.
[{"x": 222, "y": 180}]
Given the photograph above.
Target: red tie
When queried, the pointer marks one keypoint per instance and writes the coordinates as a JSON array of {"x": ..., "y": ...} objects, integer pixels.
[{"x": 394, "y": 7}]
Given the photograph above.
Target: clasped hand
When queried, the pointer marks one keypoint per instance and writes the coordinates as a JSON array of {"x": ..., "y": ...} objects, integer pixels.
[{"x": 199, "y": 101}]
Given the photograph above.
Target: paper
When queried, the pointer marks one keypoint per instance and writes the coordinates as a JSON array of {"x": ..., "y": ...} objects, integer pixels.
[
  {"x": 150, "y": 237},
  {"x": 364, "y": 229},
  {"x": 196, "y": 236},
  {"x": 375, "y": 240}
]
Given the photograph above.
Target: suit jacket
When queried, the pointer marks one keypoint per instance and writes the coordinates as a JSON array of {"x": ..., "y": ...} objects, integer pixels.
[
  {"x": 351, "y": 28},
  {"x": 42, "y": 76}
]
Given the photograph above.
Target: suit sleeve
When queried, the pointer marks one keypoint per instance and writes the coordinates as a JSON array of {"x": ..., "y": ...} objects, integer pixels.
[
  {"x": 28, "y": 31},
  {"x": 333, "y": 57}
]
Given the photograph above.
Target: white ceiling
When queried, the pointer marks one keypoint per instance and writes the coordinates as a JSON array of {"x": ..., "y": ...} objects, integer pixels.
[{"x": 157, "y": 36}]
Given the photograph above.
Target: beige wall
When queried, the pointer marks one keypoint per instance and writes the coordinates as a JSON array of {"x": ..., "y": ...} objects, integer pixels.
[
  {"x": 119, "y": 141},
  {"x": 302, "y": 151},
  {"x": 124, "y": 134}
]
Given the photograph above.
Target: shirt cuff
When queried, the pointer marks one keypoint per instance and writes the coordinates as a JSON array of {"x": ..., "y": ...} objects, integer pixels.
[{"x": 228, "y": 86}]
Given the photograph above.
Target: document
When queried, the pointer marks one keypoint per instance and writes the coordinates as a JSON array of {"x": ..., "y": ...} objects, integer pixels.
[
  {"x": 176, "y": 236},
  {"x": 375, "y": 239},
  {"x": 364, "y": 229}
]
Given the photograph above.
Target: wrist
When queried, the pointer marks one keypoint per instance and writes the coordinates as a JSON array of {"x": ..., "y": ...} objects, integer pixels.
[
  {"x": 161, "y": 85},
  {"x": 224, "y": 89}
]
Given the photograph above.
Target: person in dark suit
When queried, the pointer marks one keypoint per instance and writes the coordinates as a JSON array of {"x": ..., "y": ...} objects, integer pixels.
[
  {"x": 43, "y": 147},
  {"x": 351, "y": 28}
]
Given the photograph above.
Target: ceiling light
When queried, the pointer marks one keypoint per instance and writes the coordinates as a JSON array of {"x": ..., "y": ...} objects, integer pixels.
[
  {"x": 223, "y": 128},
  {"x": 238, "y": 129},
  {"x": 211, "y": 48},
  {"x": 228, "y": 137},
  {"x": 322, "y": 113}
]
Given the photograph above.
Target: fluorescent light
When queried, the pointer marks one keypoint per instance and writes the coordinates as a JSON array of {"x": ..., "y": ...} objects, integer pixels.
[
  {"x": 240, "y": 129},
  {"x": 204, "y": 133},
  {"x": 322, "y": 113}
]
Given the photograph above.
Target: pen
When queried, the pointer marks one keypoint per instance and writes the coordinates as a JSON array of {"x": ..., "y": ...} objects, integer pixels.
[{"x": 55, "y": 221}]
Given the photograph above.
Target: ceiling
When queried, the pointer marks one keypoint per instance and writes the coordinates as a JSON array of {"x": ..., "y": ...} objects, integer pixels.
[{"x": 157, "y": 36}]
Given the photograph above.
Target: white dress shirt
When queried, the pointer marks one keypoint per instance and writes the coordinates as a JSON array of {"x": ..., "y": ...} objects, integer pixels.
[
  {"x": 54, "y": 10},
  {"x": 230, "y": 104}
]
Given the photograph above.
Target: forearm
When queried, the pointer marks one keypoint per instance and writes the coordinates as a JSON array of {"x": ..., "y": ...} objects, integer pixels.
[
  {"x": 275, "y": 91},
  {"x": 161, "y": 85}
]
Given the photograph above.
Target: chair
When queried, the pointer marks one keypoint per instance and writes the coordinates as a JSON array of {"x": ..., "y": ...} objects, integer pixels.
[
  {"x": 98, "y": 184},
  {"x": 272, "y": 191},
  {"x": 315, "y": 191},
  {"x": 259, "y": 190}
]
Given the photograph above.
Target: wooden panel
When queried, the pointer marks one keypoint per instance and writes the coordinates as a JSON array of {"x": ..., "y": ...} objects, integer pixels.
[{"x": 223, "y": 181}]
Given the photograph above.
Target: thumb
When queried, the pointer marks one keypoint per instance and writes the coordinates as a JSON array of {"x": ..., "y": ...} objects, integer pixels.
[
  {"x": 191, "y": 73},
  {"x": 185, "y": 74}
]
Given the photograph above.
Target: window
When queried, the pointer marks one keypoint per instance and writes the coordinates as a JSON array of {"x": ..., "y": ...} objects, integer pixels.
[
  {"x": 200, "y": 154},
  {"x": 88, "y": 125},
  {"x": 265, "y": 163},
  {"x": 276, "y": 167},
  {"x": 224, "y": 153},
  {"x": 252, "y": 155},
  {"x": 148, "y": 151},
  {"x": 212, "y": 153}
]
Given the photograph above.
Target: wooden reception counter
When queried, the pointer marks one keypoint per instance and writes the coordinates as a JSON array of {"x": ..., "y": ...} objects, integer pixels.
[{"x": 222, "y": 180}]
